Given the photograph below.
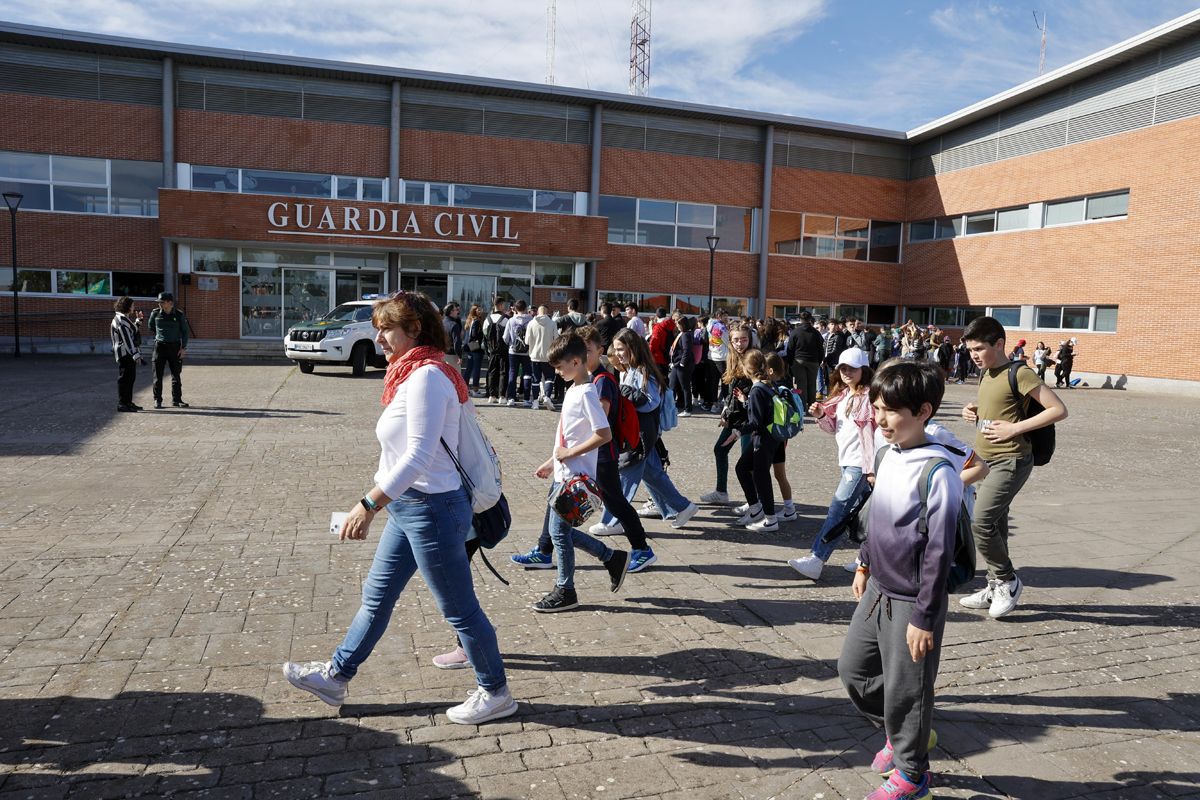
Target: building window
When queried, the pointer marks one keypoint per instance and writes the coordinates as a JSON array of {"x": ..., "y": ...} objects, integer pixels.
[
  {"x": 1106, "y": 319},
  {"x": 949, "y": 227},
  {"x": 70, "y": 184},
  {"x": 1012, "y": 219},
  {"x": 1008, "y": 316},
  {"x": 492, "y": 197},
  {"x": 881, "y": 315},
  {"x": 137, "y": 284},
  {"x": 290, "y": 184},
  {"x": 848, "y": 311},
  {"x": 921, "y": 231},
  {"x": 498, "y": 198},
  {"x": 1108, "y": 206},
  {"x": 554, "y": 274},
  {"x": 220, "y": 260},
  {"x": 82, "y": 282},
  {"x": 980, "y": 223},
  {"x": 665, "y": 223},
  {"x": 29, "y": 281},
  {"x": 885, "y": 242},
  {"x": 1114, "y": 205},
  {"x": 1065, "y": 318},
  {"x": 1065, "y": 212}
]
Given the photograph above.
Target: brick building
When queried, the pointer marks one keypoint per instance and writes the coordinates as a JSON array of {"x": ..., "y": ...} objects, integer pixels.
[{"x": 263, "y": 190}]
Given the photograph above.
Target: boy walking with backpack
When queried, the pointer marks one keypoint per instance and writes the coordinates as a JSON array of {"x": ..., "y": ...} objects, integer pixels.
[
  {"x": 497, "y": 351},
  {"x": 519, "y": 366},
  {"x": 583, "y": 428},
  {"x": 890, "y": 657},
  {"x": 622, "y": 421},
  {"x": 1007, "y": 390}
]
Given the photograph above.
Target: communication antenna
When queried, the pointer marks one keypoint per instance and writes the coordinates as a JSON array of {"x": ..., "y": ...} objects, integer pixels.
[
  {"x": 551, "y": 24},
  {"x": 639, "y": 48},
  {"x": 1041, "y": 27}
]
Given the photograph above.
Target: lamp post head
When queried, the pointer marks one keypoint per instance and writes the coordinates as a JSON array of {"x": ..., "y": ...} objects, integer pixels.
[
  {"x": 712, "y": 240},
  {"x": 13, "y": 200}
]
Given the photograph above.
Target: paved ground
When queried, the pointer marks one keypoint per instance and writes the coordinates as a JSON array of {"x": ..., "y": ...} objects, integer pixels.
[{"x": 155, "y": 569}]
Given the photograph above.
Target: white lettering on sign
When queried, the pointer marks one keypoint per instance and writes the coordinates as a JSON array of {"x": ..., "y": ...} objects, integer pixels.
[{"x": 376, "y": 223}]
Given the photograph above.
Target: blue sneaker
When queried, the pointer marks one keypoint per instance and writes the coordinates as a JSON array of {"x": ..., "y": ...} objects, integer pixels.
[
  {"x": 534, "y": 559},
  {"x": 640, "y": 559}
]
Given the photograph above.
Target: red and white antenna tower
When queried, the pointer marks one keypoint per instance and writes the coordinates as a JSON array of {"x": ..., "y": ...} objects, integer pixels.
[
  {"x": 639, "y": 48},
  {"x": 551, "y": 24},
  {"x": 1042, "y": 26}
]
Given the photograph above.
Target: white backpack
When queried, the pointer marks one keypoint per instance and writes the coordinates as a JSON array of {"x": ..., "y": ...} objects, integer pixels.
[{"x": 476, "y": 461}]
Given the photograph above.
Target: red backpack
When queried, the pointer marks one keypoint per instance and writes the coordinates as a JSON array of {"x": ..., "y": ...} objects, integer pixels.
[{"x": 627, "y": 432}]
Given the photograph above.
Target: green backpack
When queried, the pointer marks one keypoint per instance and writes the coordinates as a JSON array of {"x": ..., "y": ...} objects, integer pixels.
[{"x": 787, "y": 414}]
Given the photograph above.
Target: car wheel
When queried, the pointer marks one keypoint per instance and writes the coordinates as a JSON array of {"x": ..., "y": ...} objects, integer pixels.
[
  {"x": 306, "y": 367},
  {"x": 358, "y": 360}
]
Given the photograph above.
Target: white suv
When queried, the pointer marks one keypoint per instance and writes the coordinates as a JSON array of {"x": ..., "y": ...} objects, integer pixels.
[{"x": 344, "y": 336}]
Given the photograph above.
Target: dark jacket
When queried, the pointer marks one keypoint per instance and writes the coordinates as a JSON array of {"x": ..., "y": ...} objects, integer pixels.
[
  {"x": 609, "y": 328},
  {"x": 759, "y": 411},
  {"x": 682, "y": 352},
  {"x": 168, "y": 327},
  {"x": 805, "y": 344}
]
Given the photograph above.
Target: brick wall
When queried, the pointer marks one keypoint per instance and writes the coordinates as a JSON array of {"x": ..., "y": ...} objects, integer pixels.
[
  {"x": 635, "y": 173},
  {"x": 836, "y": 193},
  {"x": 90, "y": 128},
  {"x": 1145, "y": 264},
  {"x": 494, "y": 161},
  {"x": 676, "y": 271}
]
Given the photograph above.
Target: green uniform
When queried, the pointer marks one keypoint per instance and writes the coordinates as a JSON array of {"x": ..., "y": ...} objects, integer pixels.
[{"x": 170, "y": 327}]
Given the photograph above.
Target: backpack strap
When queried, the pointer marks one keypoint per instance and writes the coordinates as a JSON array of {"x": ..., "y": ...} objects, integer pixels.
[
  {"x": 1017, "y": 397},
  {"x": 879, "y": 454},
  {"x": 923, "y": 484}
]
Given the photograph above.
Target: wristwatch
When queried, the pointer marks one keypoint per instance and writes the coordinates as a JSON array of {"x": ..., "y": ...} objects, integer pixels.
[{"x": 369, "y": 504}]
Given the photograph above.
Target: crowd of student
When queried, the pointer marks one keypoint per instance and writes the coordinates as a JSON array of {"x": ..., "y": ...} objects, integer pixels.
[{"x": 619, "y": 386}]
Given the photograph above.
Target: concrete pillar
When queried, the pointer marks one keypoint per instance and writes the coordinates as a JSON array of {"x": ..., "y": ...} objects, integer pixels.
[
  {"x": 589, "y": 274},
  {"x": 393, "y": 272},
  {"x": 764, "y": 227}
]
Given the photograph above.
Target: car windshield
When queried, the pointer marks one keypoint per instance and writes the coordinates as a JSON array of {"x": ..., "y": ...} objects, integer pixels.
[{"x": 349, "y": 313}]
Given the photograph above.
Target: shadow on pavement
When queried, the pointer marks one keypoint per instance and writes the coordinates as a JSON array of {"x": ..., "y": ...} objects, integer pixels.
[
  {"x": 753, "y": 612},
  {"x": 155, "y": 744},
  {"x": 1125, "y": 785},
  {"x": 1087, "y": 577}
]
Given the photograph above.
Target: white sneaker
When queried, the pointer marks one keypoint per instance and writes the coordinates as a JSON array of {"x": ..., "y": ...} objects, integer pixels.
[
  {"x": 548, "y": 403},
  {"x": 852, "y": 566},
  {"x": 649, "y": 510},
  {"x": 810, "y": 566},
  {"x": 511, "y": 403},
  {"x": 600, "y": 529},
  {"x": 742, "y": 509},
  {"x": 981, "y": 599},
  {"x": 715, "y": 498},
  {"x": 317, "y": 677},
  {"x": 768, "y": 524},
  {"x": 752, "y": 515},
  {"x": 483, "y": 706},
  {"x": 685, "y": 516},
  {"x": 1005, "y": 597},
  {"x": 788, "y": 515},
  {"x": 685, "y": 413}
]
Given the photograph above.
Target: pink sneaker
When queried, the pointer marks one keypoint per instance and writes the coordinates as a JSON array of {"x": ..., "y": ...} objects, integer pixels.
[
  {"x": 899, "y": 787},
  {"x": 455, "y": 659},
  {"x": 885, "y": 759}
]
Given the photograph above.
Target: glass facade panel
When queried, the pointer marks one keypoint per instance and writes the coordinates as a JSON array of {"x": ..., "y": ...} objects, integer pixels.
[
  {"x": 215, "y": 179},
  {"x": 414, "y": 193},
  {"x": 36, "y": 195},
  {"x": 1065, "y": 212},
  {"x": 972, "y": 313},
  {"x": 215, "y": 259},
  {"x": 735, "y": 226},
  {"x": 622, "y": 218},
  {"x": 493, "y": 197},
  {"x": 854, "y": 249},
  {"x": 881, "y": 315},
  {"x": 261, "y": 301},
  {"x": 695, "y": 214},
  {"x": 695, "y": 237},
  {"x": 372, "y": 189},
  {"x": 919, "y": 316},
  {"x": 1012, "y": 219},
  {"x": 1049, "y": 316},
  {"x": 81, "y": 199},
  {"x": 555, "y": 202},
  {"x": 1009, "y": 317},
  {"x": 945, "y": 317},
  {"x": 691, "y": 304},
  {"x": 885, "y": 242},
  {"x": 821, "y": 247},
  {"x": 981, "y": 223},
  {"x": 922, "y": 231},
  {"x": 949, "y": 227},
  {"x": 300, "y": 257},
  {"x": 514, "y": 289},
  {"x": 69, "y": 169},
  {"x": 361, "y": 260},
  {"x": 135, "y": 187},
  {"x": 305, "y": 295},
  {"x": 1076, "y": 318},
  {"x": 24, "y": 166},
  {"x": 554, "y": 274},
  {"x": 786, "y": 229},
  {"x": 439, "y": 194},
  {"x": 858, "y": 312},
  {"x": 734, "y": 306},
  {"x": 662, "y": 235},
  {"x": 347, "y": 188},
  {"x": 853, "y": 228},
  {"x": 819, "y": 225},
  {"x": 82, "y": 282},
  {"x": 137, "y": 284},
  {"x": 656, "y": 211},
  {"x": 1106, "y": 319},
  {"x": 295, "y": 184},
  {"x": 28, "y": 280},
  {"x": 1111, "y": 205}
]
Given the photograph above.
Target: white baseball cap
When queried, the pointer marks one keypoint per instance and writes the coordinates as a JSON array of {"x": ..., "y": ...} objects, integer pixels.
[{"x": 853, "y": 357}]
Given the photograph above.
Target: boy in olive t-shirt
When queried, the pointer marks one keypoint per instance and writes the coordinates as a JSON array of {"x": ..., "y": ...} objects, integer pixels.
[{"x": 1002, "y": 443}]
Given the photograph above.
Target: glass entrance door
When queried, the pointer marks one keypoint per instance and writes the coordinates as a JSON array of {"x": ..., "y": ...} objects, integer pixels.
[
  {"x": 261, "y": 301},
  {"x": 472, "y": 289},
  {"x": 351, "y": 286},
  {"x": 305, "y": 296}
]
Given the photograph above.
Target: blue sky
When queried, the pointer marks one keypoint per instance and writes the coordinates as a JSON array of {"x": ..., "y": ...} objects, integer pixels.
[{"x": 892, "y": 64}]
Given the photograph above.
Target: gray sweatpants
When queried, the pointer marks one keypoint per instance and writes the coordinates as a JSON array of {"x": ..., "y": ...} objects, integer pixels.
[
  {"x": 883, "y": 681},
  {"x": 993, "y": 496}
]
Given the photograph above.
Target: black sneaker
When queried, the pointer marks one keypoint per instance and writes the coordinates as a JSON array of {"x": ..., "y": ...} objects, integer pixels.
[
  {"x": 136, "y": 407},
  {"x": 560, "y": 599},
  {"x": 126, "y": 408},
  {"x": 179, "y": 404},
  {"x": 158, "y": 404},
  {"x": 617, "y": 566}
]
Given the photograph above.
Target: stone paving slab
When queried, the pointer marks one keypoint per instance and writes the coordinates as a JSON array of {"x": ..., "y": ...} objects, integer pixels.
[{"x": 155, "y": 569}]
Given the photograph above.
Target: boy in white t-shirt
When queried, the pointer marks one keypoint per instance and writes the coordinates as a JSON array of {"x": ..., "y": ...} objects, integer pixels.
[{"x": 582, "y": 429}]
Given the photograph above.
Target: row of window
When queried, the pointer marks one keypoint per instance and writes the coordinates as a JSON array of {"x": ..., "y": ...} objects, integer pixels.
[
  {"x": 82, "y": 282},
  {"x": 1037, "y": 215},
  {"x": 294, "y": 184},
  {"x": 825, "y": 236},
  {"x": 690, "y": 304},
  {"x": 500, "y": 198},
  {"x": 666, "y": 223},
  {"x": 871, "y": 314},
  {"x": 1102, "y": 319},
  {"x": 82, "y": 185}
]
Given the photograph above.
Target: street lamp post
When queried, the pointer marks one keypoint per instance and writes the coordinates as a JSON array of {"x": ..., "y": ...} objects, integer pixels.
[
  {"x": 712, "y": 240},
  {"x": 13, "y": 201}
]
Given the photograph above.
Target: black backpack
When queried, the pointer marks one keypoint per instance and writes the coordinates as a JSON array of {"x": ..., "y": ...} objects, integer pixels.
[
  {"x": 495, "y": 333},
  {"x": 518, "y": 345},
  {"x": 1042, "y": 439}
]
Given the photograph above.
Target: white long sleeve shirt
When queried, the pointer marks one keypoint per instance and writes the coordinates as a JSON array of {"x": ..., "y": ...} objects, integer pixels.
[{"x": 424, "y": 411}]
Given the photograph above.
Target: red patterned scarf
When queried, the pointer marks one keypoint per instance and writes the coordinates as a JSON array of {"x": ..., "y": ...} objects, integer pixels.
[{"x": 399, "y": 370}]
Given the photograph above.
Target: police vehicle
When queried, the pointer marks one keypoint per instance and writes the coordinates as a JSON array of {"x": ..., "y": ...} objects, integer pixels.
[{"x": 343, "y": 337}]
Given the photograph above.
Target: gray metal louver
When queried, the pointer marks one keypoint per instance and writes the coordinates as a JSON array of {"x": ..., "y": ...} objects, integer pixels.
[
  {"x": 1038, "y": 113},
  {"x": 131, "y": 89},
  {"x": 1032, "y": 141},
  {"x": 968, "y": 155},
  {"x": 922, "y": 167},
  {"x": 418, "y": 116},
  {"x": 49, "y": 81},
  {"x": 579, "y": 131},
  {"x": 1180, "y": 67},
  {"x": 1116, "y": 87},
  {"x": 189, "y": 94},
  {"x": 347, "y": 109},
  {"x": 740, "y": 150},
  {"x": 626, "y": 136},
  {"x": 779, "y": 153},
  {"x": 986, "y": 128},
  {"x": 273, "y": 103},
  {"x": 683, "y": 144},
  {"x": 524, "y": 126},
  {"x": 880, "y": 166},
  {"x": 827, "y": 160},
  {"x": 228, "y": 99},
  {"x": 1111, "y": 121},
  {"x": 1177, "y": 105}
]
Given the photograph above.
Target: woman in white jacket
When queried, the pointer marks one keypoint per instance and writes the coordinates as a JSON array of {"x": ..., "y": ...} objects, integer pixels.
[
  {"x": 539, "y": 335},
  {"x": 429, "y": 514}
]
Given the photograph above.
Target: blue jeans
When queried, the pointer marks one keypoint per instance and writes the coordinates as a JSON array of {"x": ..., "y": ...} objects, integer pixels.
[
  {"x": 425, "y": 532},
  {"x": 472, "y": 363},
  {"x": 853, "y": 484},
  {"x": 566, "y": 539},
  {"x": 662, "y": 491}
]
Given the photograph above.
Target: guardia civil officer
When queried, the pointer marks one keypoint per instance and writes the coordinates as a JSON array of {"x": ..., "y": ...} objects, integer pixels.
[{"x": 169, "y": 328}]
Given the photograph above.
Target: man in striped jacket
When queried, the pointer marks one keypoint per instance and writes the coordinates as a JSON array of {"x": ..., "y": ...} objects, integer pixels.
[{"x": 126, "y": 343}]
